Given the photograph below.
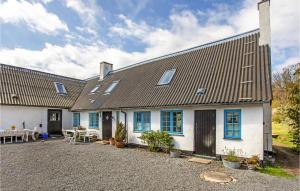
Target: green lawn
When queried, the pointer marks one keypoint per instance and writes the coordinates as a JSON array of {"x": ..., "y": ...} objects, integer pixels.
[
  {"x": 283, "y": 131},
  {"x": 276, "y": 171}
]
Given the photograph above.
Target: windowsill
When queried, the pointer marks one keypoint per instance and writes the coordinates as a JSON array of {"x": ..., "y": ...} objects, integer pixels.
[
  {"x": 233, "y": 139},
  {"x": 139, "y": 131},
  {"x": 174, "y": 134}
]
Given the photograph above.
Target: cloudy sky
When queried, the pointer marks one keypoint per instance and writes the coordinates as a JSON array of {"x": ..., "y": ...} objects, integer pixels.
[{"x": 71, "y": 37}]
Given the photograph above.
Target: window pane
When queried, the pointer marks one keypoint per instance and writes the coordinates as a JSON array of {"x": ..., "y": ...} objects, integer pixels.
[
  {"x": 147, "y": 126},
  {"x": 146, "y": 117},
  {"x": 165, "y": 121},
  {"x": 167, "y": 77},
  {"x": 177, "y": 122},
  {"x": 232, "y": 124},
  {"x": 111, "y": 87},
  {"x": 95, "y": 89},
  {"x": 60, "y": 88}
]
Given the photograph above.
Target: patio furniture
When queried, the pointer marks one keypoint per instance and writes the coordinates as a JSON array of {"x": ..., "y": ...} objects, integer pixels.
[
  {"x": 90, "y": 134},
  {"x": 9, "y": 134},
  {"x": 67, "y": 136},
  {"x": 19, "y": 133},
  {"x": 30, "y": 133}
]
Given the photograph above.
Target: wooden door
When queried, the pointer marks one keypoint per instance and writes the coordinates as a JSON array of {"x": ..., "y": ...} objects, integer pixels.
[
  {"x": 205, "y": 132},
  {"x": 106, "y": 125},
  {"x": 54, "y": 122}
]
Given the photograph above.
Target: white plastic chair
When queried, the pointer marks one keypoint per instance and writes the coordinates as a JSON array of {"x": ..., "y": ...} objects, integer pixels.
[
  {"x": 8, "y": 133},
  {"x": 19, "y": 133},
  {"x": 90, "y": 134},
  {"x": 67, "y": 136}
]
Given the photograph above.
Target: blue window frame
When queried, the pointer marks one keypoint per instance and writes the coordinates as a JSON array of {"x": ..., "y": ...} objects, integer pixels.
[
  {"x": 232, "y": 124},
  {"x": 94, "y": 120},
  {"x": 171, "y": 121},
  {"x": 76, "y": 119},
  {"x": 142, "y": 121}
]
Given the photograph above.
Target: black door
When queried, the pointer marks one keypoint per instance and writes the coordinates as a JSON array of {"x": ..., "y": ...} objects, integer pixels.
[
  {"x": 205, "y": 132},
  {"x": 106, "y": 125},
  {"x": 54, "y": 122}
]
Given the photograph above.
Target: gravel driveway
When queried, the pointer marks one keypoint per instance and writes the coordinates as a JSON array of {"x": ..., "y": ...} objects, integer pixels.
[{"x": 56, "y": 165}]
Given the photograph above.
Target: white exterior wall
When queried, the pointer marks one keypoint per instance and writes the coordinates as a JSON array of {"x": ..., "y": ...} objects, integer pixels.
[
  {"x": 32, "y": 116},
  {"x": 84, "y": 121},
  {"x": 251, "y": 142}
]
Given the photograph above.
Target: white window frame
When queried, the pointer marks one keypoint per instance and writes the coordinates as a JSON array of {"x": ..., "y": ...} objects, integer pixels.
[
  {"x": 111, "y": 87},
  {"x": 162, "y": 81},
  {"x": 63, "y": 87}
]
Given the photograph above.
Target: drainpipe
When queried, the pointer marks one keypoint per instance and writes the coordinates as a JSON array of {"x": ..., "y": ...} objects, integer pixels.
[{"x": 125, "y": 116}]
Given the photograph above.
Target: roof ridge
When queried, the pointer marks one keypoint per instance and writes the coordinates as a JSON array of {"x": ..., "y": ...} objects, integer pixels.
[
  {"x": 39, "y": 72},
  {"x": 209, "y": 44}
]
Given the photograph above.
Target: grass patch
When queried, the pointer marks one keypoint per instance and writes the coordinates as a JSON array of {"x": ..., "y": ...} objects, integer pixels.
[
  {"x": 276, "y": 171},
  {"x": 284, "y": 139}
]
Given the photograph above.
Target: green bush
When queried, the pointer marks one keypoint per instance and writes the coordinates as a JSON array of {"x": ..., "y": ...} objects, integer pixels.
[
  {"x": 120, "y": 133},
  {"x": 157, "y": 141}
]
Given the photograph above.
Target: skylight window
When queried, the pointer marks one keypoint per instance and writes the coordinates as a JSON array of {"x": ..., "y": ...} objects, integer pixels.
[
  {"x": 95, "y": 89},
  {"x": 60, "y": 88},
  {"x": 111, "y": 87},
  {"x": 167, "y": 77}
]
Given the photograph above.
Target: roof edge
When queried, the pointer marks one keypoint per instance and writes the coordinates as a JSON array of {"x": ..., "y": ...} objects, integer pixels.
[
  {"x": 209, "y": 44},
  {"x": 40, "y": 72}
]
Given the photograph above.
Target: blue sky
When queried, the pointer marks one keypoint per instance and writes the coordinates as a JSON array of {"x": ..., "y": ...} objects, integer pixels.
[{"x": 71, "y": 37}]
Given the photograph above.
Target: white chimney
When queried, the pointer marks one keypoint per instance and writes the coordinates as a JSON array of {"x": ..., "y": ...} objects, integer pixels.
[
  {"x": 105, "y": 68},
  {"x": 264, "y": 22}
]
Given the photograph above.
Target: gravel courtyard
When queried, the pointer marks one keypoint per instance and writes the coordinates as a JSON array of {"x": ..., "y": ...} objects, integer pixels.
[{"x": 56, "y": 165}]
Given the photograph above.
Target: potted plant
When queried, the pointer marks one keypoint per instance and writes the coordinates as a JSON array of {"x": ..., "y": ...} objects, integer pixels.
[
  {"x": 13, "y": 127},
  {"x": 253, "y": 162},
  {"x": 120, "y": 135},
  {"x": 175, "y": 153},
  {"x": 112, "y": 141},
  {"x": 230, "y": 160}
]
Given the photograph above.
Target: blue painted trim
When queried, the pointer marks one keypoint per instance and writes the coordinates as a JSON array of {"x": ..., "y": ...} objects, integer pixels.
[
  {"x": 76, "y": 119},
  {"x": 171, "y": 121},
  {"x": 94, "y": 124},
  {"x": 142, "y": 121},
  {"x": 238, "y": 137}
]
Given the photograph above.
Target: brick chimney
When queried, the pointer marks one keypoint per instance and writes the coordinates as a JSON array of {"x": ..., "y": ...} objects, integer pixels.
[
  {"x": 264, "y": 22},
  {"x": 105, "y": 68}
]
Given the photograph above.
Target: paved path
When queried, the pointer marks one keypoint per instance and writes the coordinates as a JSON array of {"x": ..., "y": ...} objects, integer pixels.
[{"x": 56, "y": 165}]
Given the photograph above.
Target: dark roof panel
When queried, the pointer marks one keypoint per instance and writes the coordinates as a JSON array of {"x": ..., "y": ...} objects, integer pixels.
[
  {"x": 236, "y": 70},
  {"x": 35, "y": 88}
]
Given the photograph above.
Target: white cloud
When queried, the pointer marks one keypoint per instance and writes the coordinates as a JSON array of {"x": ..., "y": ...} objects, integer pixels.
[
  {"x": 87, "y": 10},
  {"x": 288, "y": 62},
  {"x": 33, "y": 14},
  {"x": 186, "y": 29}
]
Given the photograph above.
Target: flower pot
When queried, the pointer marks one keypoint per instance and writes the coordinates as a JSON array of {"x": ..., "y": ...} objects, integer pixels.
[
  {"x": 229, "y": 164},
  {"x": 251, "y": 166},
  {"x": 112, "y": 141},
  {"x": 175, "y": 154},
  {"x": 119, "y": 144}
]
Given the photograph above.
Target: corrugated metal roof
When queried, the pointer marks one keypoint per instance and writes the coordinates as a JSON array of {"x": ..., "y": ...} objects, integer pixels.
[
  {"x": 35, "y": 88},
  {"x": 236, "y": 70}
]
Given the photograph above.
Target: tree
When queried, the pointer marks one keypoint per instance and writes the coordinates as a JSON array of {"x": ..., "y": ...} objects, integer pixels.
[{"x": 292, "y": 109}]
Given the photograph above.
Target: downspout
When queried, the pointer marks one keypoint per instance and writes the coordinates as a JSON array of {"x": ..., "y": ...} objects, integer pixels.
[{"x": 125, "y": 117}]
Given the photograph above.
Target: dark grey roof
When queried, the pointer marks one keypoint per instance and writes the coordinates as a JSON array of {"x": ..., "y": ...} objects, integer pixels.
[
  {"x": 20, "y": 86},
  {"x": 232, "y": 71}
]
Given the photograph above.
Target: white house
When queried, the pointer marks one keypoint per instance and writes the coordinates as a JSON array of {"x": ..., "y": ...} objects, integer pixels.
[
  {"x": 208, "y": 97},
  {"x": 30, "y": 99}
]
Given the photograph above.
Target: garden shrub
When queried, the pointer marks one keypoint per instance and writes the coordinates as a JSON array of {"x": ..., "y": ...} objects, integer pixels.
[{"x": 157, "y": 140}]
